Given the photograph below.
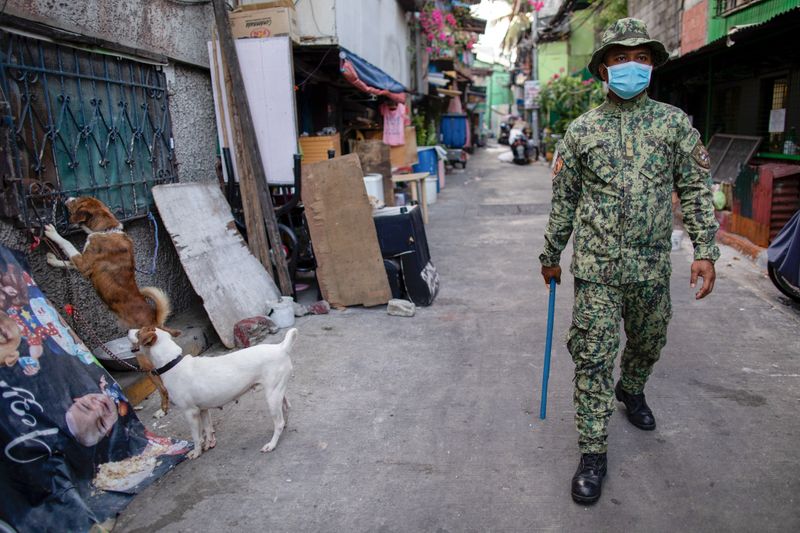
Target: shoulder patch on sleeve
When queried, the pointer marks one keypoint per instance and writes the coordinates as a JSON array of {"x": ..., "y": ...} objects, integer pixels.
[
  {"x": 558, "y": 165},
  {"x": 700, "y": 155}
]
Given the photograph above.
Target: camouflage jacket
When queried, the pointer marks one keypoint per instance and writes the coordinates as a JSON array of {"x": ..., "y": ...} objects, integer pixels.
[{"x": 612, "y": 184}]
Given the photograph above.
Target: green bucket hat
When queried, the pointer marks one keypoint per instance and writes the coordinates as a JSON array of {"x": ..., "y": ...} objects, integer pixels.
[{"x": 627, "y": 32}]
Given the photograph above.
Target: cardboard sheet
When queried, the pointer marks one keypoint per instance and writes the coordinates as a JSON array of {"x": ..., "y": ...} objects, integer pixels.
[
  {"x": 349, "y": 265},
  {"x": 374, "y": 156},
  {"x": 229, "y": 279}
]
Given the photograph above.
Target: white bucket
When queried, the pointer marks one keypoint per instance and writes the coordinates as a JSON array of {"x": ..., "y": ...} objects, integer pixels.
[
  {"x": 374, "y": 185},
  {"x": 283, "y": 312},
  {"x": 430, "y": 188},
  {"x": 677, "y": 239}
]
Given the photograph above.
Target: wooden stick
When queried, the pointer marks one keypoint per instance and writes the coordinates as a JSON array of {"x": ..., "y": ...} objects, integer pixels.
[
  {"x": 251, "y": 152},
  {"x": 257, "y": 240}
]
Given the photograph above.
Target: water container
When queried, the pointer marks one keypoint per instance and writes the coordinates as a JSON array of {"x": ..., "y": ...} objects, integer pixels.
[
  {"x": 374, "y": 185},
  {"x": 282, "y": 312},
  {"x": 431, "y": 182},
  {"x": 454, "y": 130},
  {"x": 428, "y": 161}
]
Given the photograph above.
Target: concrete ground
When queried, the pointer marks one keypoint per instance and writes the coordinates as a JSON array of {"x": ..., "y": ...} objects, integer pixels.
[{"x": 430, "y": 423}]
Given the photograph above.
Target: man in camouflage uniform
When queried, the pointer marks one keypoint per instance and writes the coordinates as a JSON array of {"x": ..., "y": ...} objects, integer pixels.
[{"x": 612, "y": 185}]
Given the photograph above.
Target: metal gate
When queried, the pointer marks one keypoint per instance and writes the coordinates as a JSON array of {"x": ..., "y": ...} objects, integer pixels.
[{"x": 80, "y": 123}]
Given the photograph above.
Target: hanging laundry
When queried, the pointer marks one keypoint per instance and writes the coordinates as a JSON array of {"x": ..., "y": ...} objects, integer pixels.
[{"x": 394, "y": 121}]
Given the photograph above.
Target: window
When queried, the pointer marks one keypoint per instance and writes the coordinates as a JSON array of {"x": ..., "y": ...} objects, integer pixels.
[
  {"x": 775, "y": 98},
  {"x": 80, "y": 123},
  {"x": 726, "y": 7}
]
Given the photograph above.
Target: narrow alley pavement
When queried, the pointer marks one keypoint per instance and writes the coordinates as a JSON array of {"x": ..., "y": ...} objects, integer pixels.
[{"x": 431, "y": 423}]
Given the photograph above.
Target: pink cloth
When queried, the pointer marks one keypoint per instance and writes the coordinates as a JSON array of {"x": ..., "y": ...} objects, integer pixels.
[
  {"x": 349, "y": 73},
  {"x": 394, "y": 121}
]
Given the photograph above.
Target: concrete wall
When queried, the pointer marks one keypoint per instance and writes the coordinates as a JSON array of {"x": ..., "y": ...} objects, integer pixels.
[
  {"x": 581, "y": 40},
  {"x": 663, "y": 20},
  {"x": 174, "y": 29},
  {"x": 180, "y": 32},
  {"x": 553, "y": 59},
  {"x": 377, "y": 31},
  {"x": 694, "y": 32}
]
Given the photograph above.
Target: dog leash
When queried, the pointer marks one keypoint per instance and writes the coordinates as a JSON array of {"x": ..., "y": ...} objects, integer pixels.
[{"x": 73, "y": 314}]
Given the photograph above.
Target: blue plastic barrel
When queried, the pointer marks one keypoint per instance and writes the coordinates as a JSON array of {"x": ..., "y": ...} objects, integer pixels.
[
  {"x": 454, "y": 130},
  {"x": 428, "y": 162}
]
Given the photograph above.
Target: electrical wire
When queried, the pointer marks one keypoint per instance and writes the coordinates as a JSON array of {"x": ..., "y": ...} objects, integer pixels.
[{"x": 308, "y": 77}]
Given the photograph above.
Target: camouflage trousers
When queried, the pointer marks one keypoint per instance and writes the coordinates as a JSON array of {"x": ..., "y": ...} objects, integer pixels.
[{"x": 593, "y": 342}]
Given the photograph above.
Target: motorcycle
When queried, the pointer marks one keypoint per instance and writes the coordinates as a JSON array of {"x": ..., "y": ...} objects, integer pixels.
[
  {"x": 521, "y": 149},
  {"x": 505, "y": 131},
  {"x": 783, "y": 257}
]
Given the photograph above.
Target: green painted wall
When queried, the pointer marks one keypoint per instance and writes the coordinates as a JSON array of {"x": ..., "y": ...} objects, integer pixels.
[
  {"x": 581, "y": 40},
  {"x": 497, "y": 91},
  {"x": 553, "y": 59},
  {"x": 758, "y": 12}
]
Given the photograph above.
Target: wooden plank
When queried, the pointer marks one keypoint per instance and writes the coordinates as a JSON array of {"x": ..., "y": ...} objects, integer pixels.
[
  {"x": 251, "y": 150},
  {"x": 257, "y": 239},
  {"x": 374, "y": 156},
  {"x": 229, "y": 279},
  {"x": 350, "y": 268}
]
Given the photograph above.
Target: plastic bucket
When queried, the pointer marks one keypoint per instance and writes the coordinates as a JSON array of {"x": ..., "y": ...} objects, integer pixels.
[
  {"x": 374, "y": 185},
  {"x": 431, "y": 182},
  {"x": 282, "y": 312}
]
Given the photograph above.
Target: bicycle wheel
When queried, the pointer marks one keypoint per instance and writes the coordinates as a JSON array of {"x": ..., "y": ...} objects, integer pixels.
[{"x": 783, "y": 285}]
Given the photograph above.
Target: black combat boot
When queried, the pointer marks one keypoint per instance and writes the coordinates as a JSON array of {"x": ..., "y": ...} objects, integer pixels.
[
  {"x": 588, "y": 480},
  {"x": 639, "y": 413}
]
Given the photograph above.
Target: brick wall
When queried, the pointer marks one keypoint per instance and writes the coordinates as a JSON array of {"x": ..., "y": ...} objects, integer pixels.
[
  {"x": 663, "y": 20},
  {"x": 695, "y": 27}
]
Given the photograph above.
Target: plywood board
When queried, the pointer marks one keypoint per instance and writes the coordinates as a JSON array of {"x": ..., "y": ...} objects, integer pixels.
[
  {"x": 223, "y": 272},
  {"x": 350, "y": 268},
  {"x": 268, "y": 76},
  {"x": 375, "y": 159}
]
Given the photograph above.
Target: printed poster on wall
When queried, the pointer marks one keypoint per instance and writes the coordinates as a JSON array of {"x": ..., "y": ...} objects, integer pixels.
[{"x": 73, "y": 451}]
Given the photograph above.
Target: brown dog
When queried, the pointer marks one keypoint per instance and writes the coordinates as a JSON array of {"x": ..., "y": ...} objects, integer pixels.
[{"x": 108, "y": 262}]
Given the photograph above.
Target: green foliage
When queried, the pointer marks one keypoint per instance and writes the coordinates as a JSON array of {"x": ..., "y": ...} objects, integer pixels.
[
  {"x": 610, "y": 12},
  {"x": 565, "y": 98},
  {"x": 426, "y": 135}
]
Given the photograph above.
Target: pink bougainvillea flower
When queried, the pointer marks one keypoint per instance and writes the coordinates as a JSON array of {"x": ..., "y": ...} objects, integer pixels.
[
  {"x": 428, "y": 49},
  {"x": 450, "y": 19},
  {"x": 555, "y": 76},
  {"x": 442, "y": 36}
]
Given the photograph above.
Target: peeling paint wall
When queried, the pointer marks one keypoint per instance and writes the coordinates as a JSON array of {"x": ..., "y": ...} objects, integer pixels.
[
  {"x": 168, "y": 28},
  {"x": 178, "y": 30}
]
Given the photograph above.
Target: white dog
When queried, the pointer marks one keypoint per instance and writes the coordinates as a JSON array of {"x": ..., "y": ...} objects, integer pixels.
[{"x": 197, "y": 384}]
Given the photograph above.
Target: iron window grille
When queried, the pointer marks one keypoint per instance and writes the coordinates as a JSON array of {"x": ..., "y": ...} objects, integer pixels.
[
  {"x": 726, "y": 7},
  {"x": 80, "y": 123}
]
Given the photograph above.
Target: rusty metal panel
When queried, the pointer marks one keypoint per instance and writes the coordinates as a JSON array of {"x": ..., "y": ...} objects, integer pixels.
[{"x": 785, "y": 202}]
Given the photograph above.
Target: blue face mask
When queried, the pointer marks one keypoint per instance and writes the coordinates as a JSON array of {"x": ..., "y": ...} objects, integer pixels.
[{"x": 629, "y": 79}]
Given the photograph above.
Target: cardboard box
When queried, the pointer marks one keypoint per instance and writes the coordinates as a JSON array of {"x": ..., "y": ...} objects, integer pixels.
[
  {"x": 248, "y": 22},
  {"x": 404, "y": 155},
  {"x": 315, "y": 148}
]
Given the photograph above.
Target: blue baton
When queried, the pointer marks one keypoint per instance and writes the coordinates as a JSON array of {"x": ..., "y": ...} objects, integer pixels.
[{"x": 548, "y": 345}]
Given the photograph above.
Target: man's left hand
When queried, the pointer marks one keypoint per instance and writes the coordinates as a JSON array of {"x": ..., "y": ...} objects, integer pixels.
[{"x": 703, "y": 268}]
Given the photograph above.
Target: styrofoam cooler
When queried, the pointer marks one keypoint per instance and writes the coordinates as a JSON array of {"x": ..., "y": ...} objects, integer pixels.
[
  {"x": 431, "y": 183},
  {"x": 374, "y": 185}
]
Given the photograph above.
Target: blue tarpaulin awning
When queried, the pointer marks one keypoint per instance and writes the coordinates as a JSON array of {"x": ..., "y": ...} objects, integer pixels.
[{"x": 369, "y": 74}]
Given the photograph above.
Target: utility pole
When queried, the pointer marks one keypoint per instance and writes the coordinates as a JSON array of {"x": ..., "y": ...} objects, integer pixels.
[{"x": 535, "y": 75}]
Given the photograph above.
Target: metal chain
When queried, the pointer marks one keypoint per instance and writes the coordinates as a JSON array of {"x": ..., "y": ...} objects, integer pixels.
[{"x": 96, "y": 340}]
